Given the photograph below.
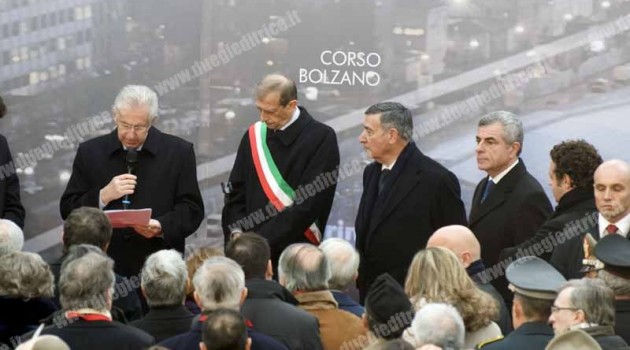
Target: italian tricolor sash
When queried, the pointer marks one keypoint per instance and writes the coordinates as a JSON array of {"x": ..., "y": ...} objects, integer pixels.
[{"x": 277, "y": 190}]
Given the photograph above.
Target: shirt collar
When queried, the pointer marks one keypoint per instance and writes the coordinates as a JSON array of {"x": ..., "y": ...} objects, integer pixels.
[
  {"x": 295, "y": 116},
  {"x": 623, "y": 225},
  {"x": 502, "y": 174},
  {"x": 388, "y": 167}
]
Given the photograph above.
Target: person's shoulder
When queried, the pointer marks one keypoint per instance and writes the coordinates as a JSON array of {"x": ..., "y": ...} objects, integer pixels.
[
  {"x": 492, "y": 344},
  {"x": 133, "y": 332},
  {"x": 173, "y": 140}
]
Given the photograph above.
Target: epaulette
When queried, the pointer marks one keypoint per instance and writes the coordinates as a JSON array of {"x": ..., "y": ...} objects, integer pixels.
[{"x": 489, "y": 341}]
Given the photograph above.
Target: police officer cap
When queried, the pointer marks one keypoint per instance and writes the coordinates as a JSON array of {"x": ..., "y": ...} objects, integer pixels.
[
  {"x": 614, "y": 252},
  {"x": 535, "y": 278}
]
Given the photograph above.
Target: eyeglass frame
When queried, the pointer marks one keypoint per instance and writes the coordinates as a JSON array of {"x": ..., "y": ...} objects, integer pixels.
[
  {"x": 126, "y": 127},
  {"x": 555, "y": 309}
]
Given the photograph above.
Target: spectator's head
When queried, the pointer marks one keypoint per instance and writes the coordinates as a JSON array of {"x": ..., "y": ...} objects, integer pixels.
[
  {"x": 11, "y": 237},
  {"x": 135, "y": 109},
  {"x": 303, "y": 267},
  {"x": 3, "y": 108},
  {"x": 458, "y": 239},
  {"x": 499, "y": 141},
  {"x": 439, "y": 325},
  {"x": 394, "y": 344},
  {"x": 387, "y": 128},
  {"x": 87, "y": 279},
  {"x": 251, "y": 251},
  {"x": 437, "y": 276},
  {"x": 86, "y": 225},
  {"x": 572, "y": 165},
  {"x": 388, "y": 311},
  {"x": 164, "y": 278},
  {"x": 25, "y": 275},
  {"x": 585, "y": 302},
  {"x": 225, "y": 329},
  {"x": 533, "y": 297},
  {"x": 219, "y": 283},
  {"x": 193, "y": 261},
  {"x": 612, "y": 190},
  {"x": 343, "y": 260},
  {"x": 614, "y": 252},
  {"x": 276, "y": 99}
]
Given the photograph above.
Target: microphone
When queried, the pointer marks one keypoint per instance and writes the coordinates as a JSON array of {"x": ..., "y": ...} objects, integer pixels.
[{"x": 132, "y": 160}]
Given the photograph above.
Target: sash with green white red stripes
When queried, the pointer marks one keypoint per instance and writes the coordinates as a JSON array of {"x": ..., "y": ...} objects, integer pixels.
[{"x": 277, "y": 190}]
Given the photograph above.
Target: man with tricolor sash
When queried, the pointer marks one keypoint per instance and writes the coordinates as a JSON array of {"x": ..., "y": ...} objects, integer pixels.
[{"x": 284, "y": 177}]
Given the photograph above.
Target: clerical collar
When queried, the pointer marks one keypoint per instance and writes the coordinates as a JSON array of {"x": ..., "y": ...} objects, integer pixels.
[
  {"x": 502, "y": 174},
  {"x": 295, "y": 116}
]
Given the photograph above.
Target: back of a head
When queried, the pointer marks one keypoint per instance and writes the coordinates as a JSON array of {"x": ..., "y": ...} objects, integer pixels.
[
  {"x": 344, "y": 262},
  {"x": 219, "y": 283},
  {"x": 388, "y": 309},
  {"x": 576, "y": 339},
  {"x": 11, "y": 237},
  {"x": 194, "y": 259},
  {"x": 225, "y": 330},
  {"x": 303, "y": 267},
  {"x": 578, "y": 159},
  {"x": 86, "y": 225},
  {"x": 458, "y": 239},
  {"x": 440, "y": 325},
  {"x": 3, "y": 108},
  {"x": 25, "y": 275},
  {"x": 393, "y": 344},
  {"x": 251, "y": 251},
  {"x": 164, "y": 278},
  {"x": 87, "y": 280}
]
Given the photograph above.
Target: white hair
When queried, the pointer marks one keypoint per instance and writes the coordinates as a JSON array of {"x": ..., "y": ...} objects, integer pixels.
[
  {"x": 440, "y": 325},
  {"x": 137, "y": 95},
  {"x": 219, "y": 283},
  {"x": 11, "y": 237},
  {"x": 164, "y": 278},
  {"x": 344, "y": 262}
]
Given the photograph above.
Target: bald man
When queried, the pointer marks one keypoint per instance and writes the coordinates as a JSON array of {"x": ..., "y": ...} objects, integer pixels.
[
  {"x": 612, "y": 199},
  {"x": 462, "y": 241}
]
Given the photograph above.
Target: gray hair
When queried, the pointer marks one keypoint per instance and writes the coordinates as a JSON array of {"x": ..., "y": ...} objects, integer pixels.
[
  {"x": 593, "y": 297},
  {"x": 394, "y": 116},
  {"x": 344, "y": 262},
  {"x": 11, "y": 237},
  {"x": 512, "y": 126},
  {"x": 164, "y": 278},
  {"x": 440, "y": 325},
  {"x": 137, "y": 95},
  {"x": 219, "y": 283},
  {"x": 86, "y": 281},
  {"x": 619, "y": 285},
  {"x": 304, "y": 267},
  {"x": 277, "y": 83},
  {"x": 25, "y": 275}
]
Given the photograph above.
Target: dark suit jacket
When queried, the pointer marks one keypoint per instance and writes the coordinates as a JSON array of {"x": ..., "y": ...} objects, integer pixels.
[
  {"x": 10, "y": 206},
  {"x": 419, "y": 196},
  {"x": 167, "y": 183},
  {"x": 567, "y": 257},
  {"x": 622, "y": 319},
  {"x": 165, "y": 321},
  {"x": 511, "y": 214},
  {"x": 529, "y": 336}
]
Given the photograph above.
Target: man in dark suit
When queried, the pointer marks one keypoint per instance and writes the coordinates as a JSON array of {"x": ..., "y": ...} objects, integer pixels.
[
  {"x": 165, "y": 180},
  {"x": 10, "y": 206},
  {"x": 508, "y": 205},
  {"x": 612, "y": 199},
  {"x": 406, "y": 196},
  {"x": 571, "y": 170},
  {"x": 284, "y": 177}
]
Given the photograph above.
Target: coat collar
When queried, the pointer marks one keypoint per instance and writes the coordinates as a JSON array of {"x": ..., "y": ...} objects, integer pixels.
[
  {"x": 290, "y": 134},
  {"x": 575, "y": 197},
  {"x": 320, "y": 300},
  {"x": 533, "y": 328},
  {"x": 151, "y": 144},
  {"x": 258, "y": 288}
]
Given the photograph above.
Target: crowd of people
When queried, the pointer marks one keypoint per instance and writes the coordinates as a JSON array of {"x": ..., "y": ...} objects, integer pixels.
[{"x": 515, "y": 274}]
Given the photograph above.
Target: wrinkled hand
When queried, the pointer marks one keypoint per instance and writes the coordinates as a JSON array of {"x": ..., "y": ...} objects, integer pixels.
[
  {"x": 118, "y": 187},
  {"x": 149, "y": 231}
]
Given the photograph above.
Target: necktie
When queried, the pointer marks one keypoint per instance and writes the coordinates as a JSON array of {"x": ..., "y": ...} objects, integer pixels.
[
  {"x": 382, "y": 179},
  {"x": 612, "y": 229},
  {"x": 487, "y": 190}
]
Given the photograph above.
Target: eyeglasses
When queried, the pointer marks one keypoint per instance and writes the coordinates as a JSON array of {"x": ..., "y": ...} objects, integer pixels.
[
  {"x": 128, "y": 127},
  {"x": 555, "y": 309}
]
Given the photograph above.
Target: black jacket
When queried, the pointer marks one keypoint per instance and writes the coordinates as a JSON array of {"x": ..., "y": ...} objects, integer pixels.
[
  {"x": 273, "y": 311},
  {"x": 10, "y": 205},
  {"x": 622, "y": 319},
  {"x": 606, "y": 338},
  {"x": 529, "y": 336},
  {"x": 165, "y": 321}
]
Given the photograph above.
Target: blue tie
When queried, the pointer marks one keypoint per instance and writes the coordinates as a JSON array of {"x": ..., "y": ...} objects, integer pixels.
[{"x": 486, "y": 192}]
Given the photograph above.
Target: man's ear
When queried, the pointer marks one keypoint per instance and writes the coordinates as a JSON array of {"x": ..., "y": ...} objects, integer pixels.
[
  {"x": 269, "y": 271},
  {"x": 243, "y": 295}
]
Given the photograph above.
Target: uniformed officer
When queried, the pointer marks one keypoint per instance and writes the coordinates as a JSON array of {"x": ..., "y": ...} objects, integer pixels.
[{"x": 534, "y": 283}]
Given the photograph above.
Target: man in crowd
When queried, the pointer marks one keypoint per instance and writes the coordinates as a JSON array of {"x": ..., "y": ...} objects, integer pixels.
[
  {"x": 285, "y": 168},
  {"x": 439, "y": 325},
  {"x": 163, "y": 284},
  {"x": 269, "y": 306},
  {"x": 612, "y": 199},
  {"x": 587, "y": 304},
  {"x": 11, "y": 237},
  {"x": 509, "y": 204},
  {"x": 461, "y": 241},
  {"x": 10, "y": 205},
  {"x": 165, "y": 180},
  {"x": 225, "y": 329},
  {"x": 305, "y": 272},
  {"x": 406, "y": 196},
  {"x": 344, "y": 270}
]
